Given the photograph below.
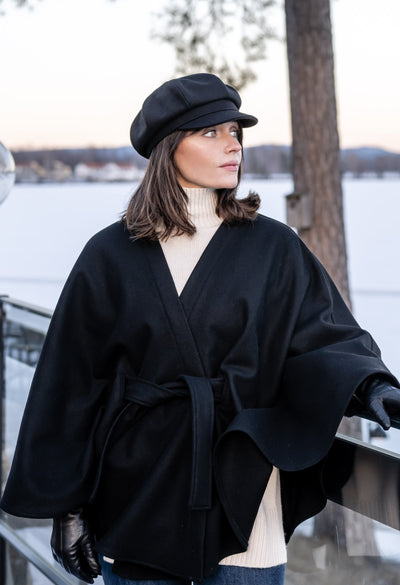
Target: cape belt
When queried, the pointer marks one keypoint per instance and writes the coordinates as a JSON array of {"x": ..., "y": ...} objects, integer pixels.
[{"x": 202, "y": 393}]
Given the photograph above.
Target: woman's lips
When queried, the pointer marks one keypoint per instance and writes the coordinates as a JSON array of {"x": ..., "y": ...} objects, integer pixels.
[{"x": 231, "y": 166}]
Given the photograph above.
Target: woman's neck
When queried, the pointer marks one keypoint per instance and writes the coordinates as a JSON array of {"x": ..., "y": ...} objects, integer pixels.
[{"x": 202, "y": 204}]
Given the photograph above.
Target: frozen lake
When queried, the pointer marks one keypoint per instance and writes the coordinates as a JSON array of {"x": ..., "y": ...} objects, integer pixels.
[{"x": 44, "y": 227}]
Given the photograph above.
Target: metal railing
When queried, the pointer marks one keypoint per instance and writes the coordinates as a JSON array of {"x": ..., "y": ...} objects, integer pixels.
[
  {"x": 356, "y": 539},
  {"x": 23, "y": 329}
]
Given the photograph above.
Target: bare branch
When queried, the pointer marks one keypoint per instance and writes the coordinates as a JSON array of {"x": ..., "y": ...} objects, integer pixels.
[
  {"x": 17, "y": 3},
  {"x": 224, "y": 37}
]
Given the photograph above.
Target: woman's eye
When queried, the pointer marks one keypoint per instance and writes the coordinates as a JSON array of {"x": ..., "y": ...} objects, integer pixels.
[{"x": 213, "y": 132}]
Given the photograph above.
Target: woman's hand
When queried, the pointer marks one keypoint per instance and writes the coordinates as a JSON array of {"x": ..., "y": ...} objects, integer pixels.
[
  {"x": 380, "y": 399},
  {"x": 72, "y": 545}
]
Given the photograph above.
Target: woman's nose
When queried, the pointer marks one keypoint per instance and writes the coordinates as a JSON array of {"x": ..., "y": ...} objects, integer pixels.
[{"x": 233, "y": 144}]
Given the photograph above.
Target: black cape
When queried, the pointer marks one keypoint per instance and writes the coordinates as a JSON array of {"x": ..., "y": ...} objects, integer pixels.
[{"x": 162, "y": 414}]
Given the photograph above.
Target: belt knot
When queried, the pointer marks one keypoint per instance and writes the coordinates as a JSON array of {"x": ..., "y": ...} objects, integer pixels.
[{"x": 203, "y": 392}]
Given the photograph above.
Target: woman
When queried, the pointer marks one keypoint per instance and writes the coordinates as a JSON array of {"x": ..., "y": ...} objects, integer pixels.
[{"x": 195, "y": 371}]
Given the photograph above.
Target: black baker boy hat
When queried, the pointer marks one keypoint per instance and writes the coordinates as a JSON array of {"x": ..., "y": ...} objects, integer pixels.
[{"x": 187, "y": 103}]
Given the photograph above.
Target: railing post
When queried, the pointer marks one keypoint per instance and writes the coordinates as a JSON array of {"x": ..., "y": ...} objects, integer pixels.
[{"x": 2, "y": 439}]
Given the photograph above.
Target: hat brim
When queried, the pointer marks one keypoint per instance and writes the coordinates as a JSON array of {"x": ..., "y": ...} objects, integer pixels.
[{"x": 215, "y": 118}]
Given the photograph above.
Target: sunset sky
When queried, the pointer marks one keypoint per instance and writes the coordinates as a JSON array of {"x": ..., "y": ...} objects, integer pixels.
[{"x": 75, "y": 73}]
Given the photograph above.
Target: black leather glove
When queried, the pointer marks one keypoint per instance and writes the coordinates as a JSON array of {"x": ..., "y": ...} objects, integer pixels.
[
  {"x": 379, "y": 399},
  {"x": 72, "y": 545}
]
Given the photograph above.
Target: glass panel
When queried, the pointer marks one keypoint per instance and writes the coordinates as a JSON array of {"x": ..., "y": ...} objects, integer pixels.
[
  {"x": 24, "y": 331},
  {"x": 337, "y": 546},
  {"x": 23, "y": 334},
  {"x": 19, "y": 571},
  {"x": 341, "y": 546},
  {"x": 372, "y": 433},
  {"x": 36, "y": 533}
]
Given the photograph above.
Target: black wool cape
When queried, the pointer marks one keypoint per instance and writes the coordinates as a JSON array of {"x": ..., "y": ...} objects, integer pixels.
[{"x": 162, "y": 414}]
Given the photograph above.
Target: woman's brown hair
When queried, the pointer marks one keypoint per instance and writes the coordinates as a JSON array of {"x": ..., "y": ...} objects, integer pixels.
[{"x": 158, "y": 208}]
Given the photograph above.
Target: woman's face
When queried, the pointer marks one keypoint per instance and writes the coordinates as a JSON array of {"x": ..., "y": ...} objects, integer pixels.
[{"x": 210, "y": 157}]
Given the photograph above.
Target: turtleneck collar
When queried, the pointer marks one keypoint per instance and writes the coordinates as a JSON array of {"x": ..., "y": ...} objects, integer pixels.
[{"x": 201, "y": 207}]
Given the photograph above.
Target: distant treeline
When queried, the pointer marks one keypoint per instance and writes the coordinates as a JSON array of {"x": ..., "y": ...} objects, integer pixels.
[
  {"x": 264, "y": 160},
  {"x": 74, "y": 156}
]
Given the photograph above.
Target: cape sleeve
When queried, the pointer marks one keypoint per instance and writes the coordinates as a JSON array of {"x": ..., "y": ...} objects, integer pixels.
[
  {"x": 328, "y": 357},
  {"x": 52, "y": 470}
]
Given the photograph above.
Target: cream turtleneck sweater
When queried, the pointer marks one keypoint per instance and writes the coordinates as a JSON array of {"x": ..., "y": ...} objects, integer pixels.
[
  {"x": 267, "y": 544},
  {"x": 183, "y": 252}
]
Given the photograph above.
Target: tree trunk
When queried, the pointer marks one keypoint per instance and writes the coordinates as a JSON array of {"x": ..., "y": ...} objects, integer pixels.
[
  {"x": 315, "y": 150},
  {"x": 317, "y": 171}
]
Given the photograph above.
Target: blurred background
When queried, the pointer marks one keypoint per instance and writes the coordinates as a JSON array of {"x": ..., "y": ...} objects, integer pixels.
[{"x": 74, "y": 73}]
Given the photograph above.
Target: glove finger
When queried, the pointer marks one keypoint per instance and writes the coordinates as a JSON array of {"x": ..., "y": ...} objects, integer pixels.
[
  {"x": 80, "y": 571},
  {"x": 91, "y": 555},
  {"x": 74, "y": 562},
  {"x": 93, "y": 567},
  {"x": 61, "y": 559},
  {"x": 88, "y": 557},
  {"x": 55, "y": 544},
  {"x": 377, "y": 409},
  {"x": 94, "y": 564},
  {"x": 392, "y": 403},
  {"x": 82, "y": 576},
  {"x": 85, "y": 570},
  {"x": 57, "y": 557}
]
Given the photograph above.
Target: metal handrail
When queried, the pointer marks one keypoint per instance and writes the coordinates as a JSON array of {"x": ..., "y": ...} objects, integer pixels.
[
  {"x": 53, "y": 573},
  {"x": 27, "y": 306}
]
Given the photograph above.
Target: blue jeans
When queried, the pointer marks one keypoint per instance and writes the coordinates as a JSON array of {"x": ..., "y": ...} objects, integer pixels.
[{"x": 225, "y": 575}]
